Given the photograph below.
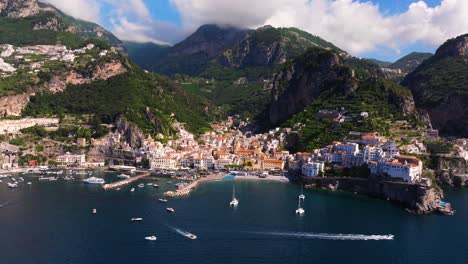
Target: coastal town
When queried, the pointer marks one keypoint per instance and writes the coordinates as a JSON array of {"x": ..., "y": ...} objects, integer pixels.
[{"x": 230, "y": 145}]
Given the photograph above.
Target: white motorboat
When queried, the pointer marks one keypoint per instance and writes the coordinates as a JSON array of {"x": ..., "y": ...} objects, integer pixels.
[
  {"x": 141, "y": 185},
  {"x": 162, "y": 200},
  {"x": 29, "y": 183},
  {"x": 94, "y": 211},
  {"x": 155, "y": 185},
  {"x": 151, "y": 238},
  {"x": 123, "y": 176},
  {"x": 136, "y": 219},
  {"x": 132, "y": 190},
  {"x": 234, "y": 202},
  {"x": 300, "y": 211},
  {"x": 186, "y": 234},
  {"x": 94, "y": 180},
  {"x": 170, "y": 210}
]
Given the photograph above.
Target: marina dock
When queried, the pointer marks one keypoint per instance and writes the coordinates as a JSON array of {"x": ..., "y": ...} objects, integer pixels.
[{"x": 124, "y": 182}]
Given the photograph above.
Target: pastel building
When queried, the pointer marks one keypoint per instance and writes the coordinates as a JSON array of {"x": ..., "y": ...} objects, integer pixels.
[{"x": 313, "y": 169}]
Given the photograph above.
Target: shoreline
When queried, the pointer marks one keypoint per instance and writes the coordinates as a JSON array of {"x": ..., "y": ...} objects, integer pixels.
[{"x": 185, "y": 191}]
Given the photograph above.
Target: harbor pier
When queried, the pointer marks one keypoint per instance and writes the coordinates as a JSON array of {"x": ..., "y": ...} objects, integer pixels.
[{"x": 124, "y": 182}]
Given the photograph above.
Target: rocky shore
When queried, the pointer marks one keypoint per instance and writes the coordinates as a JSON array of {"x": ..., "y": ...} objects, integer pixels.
[{"x": 421, "y": 198}]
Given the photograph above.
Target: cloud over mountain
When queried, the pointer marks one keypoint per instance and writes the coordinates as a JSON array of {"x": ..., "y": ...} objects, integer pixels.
[{"x": 356, "y": 26}]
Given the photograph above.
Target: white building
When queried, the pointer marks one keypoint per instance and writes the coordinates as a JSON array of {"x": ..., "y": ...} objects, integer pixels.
[
  {"x": 14, "y": 126},
  {"x": 199, "y": 164},
  {"x": 408, "y": 172},
  {"x": 313, "y": 169},
  {"x": 372, "y": 153},
  {"x": 71, "y": 159},
  {"x": 165, "y": 163}
]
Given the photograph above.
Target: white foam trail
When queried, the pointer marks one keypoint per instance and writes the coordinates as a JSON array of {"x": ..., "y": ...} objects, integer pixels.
[
  {"x": 326, "y": 236},
  {"x": 4, "y": 204}
]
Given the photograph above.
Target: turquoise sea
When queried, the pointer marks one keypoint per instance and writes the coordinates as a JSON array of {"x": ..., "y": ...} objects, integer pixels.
[{"x": 52, "y": 222}]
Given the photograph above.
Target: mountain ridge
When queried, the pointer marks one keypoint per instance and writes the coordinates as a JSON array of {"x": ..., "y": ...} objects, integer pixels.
[{"x": 439, "y": 86}]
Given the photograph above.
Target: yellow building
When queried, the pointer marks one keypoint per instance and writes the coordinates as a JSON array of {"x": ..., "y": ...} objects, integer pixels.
[{"x": 272, "y": 164}]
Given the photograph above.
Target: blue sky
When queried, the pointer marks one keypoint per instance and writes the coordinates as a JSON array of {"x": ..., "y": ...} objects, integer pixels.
[{"x": 381, "y": 29}]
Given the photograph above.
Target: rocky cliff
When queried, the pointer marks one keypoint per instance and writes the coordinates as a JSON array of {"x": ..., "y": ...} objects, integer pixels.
[
  {"x": 19, "y": 8},
  {"x": 323, "y": 75},
  {"x": 299, "y": 84},
  {"x": 133, "y": 135},
  {"x": 451, "y": 171},
  {"x": 417, "y": 198},
  {"x": 439, "y": 87}
]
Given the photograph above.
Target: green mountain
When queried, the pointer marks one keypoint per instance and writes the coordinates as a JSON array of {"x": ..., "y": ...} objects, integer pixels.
[
  {"x": 235, "y": 48},
  {"x": 144, "y": 54},
  {"x": 439, "y": 86},
  {"x": 28, "y": 22},
  {"x": 322, "y": 97},
  {"x": 87, "y": 79},
  {"x": 232, "y": 66},
  {"x": 410, "y": 62},
  {"x": 381, "y": 64}
]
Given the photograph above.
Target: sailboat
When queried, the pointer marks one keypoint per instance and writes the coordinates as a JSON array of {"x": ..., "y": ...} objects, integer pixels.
[
  {"x": 234, "y": 202},
  {"x": 302, "y": 196},
  {"x": 299, "y": 211}
]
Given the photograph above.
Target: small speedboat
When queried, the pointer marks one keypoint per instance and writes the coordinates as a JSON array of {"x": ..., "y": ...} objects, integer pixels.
[
  {"x": 118, "y": 189},
  {"x": 141, "y": 185},
  {"x": 151, "y": 238},
  {"x": 155, "y": 185},
  {"x": 234, "y": 202},
  {"x": 29, "y": 183},
  {"x": 162, "y": 200},
  {"x": 170, "y": 210},
  {"x": 132, "y": 190},
  {"x": 136, "y": 219},
  {"x": 94, "y": 211},
  {"x": 149, "y": 184},
  {"x": 186, "y": 234},
  {"x": 123, "y": 176}
]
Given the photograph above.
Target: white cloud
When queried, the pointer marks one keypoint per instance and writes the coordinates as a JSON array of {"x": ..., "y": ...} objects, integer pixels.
[
  {"x": 356, "y": 26},
  {"x": 84, "y": 9}
]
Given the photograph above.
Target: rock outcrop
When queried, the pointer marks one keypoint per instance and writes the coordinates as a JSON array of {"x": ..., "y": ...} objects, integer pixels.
[
  {"x": 19, "y": 8},
  {"x": 451, "y": 171},
  {"x": 457, "y": 47},
  {"x": 13, "y": 105},
  {"x": 299, "y": 84},
  {"x": 439, "y": 87},
  {"x": 133, "y": 135},
  {"x": 101, "y": 72},
  {"x": 417, "y": 198}
]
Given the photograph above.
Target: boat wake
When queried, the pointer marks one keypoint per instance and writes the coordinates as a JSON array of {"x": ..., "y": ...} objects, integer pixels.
[
  {"x": 5, "y": 204},
  {"x": 325, "y": 236}
]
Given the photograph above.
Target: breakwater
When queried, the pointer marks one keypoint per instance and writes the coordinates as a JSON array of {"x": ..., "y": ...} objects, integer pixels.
[
  {"x": 421, "y": 198},
  {"x": 125, "y": 182}
]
